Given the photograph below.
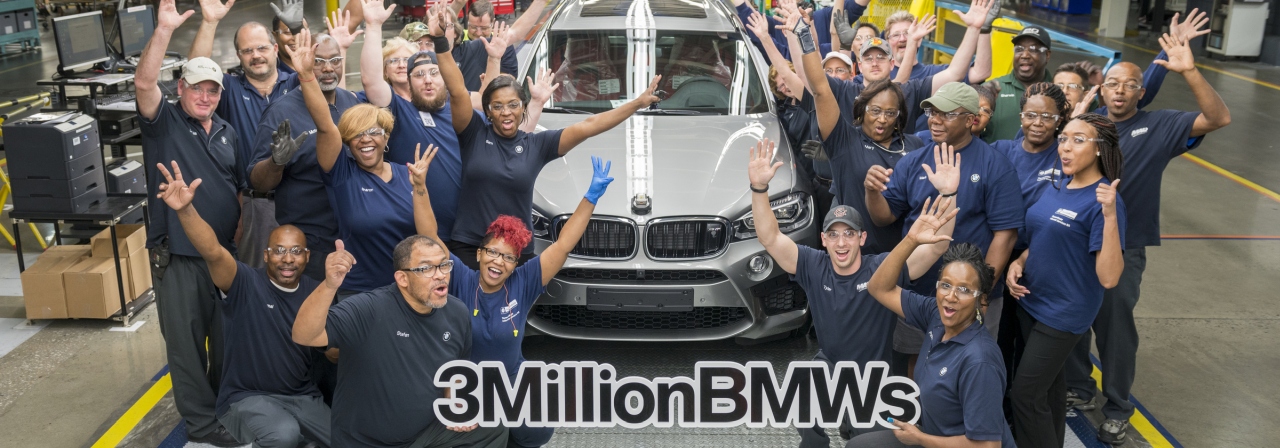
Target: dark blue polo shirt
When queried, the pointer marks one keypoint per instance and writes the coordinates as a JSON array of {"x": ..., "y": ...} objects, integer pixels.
[
  {"x": 780, "y": 39},
  {"x": 242, "y": 105},
  {"x": 914, "y": 91},
  {"x": 852, "y": 154},
  {"x": 373, "y": 216},
  {"x": 210, "y": 156},
  {"x": 472, "y": 59},
  {"x": 1036, "y": 173},
  {"x": 1148, "y": 141},
  {"x": 261, "y": 357},
  {"x": 961, "y": 380},
  {"x": 498, "y": 176},
  {"x": 498, "y": 319},
  {"x": 301, "y": 195},
  {"x": 390, "y": 354},
  {"x": 989, "y": 197},
  {"x": 851, "y": 325},
  {"x": 798, "y": 123},
  {"x": 917, "y": 71},
  {"x": 1066, "y": 231},
  {"x": 284, "y": 68},
  {"x": 444, "y": 179}
]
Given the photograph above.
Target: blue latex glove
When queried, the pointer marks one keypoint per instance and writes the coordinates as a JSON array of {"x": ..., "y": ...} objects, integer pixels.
[{"x": 599, "y": 179}]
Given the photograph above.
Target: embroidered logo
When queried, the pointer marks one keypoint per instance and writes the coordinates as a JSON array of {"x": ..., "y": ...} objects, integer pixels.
[
  {"x": 826, "y": 288},
  {"x": 862, "y": 286},
  {"x": 366, "y": 190},
  {"x": 224, "y": 139},
  {"x": 245, "y": 97},
  {"x": 402, "y": 334},
  {"x": 943, "y": 372},
  {"x": 519, "y": 149},
  {"x": 271, "y": 306},
  {"x": 447, "y": 335},
  {"x": 839, "y": 212},
  {"x": 1137, "y": 132},
  {"x": 975, "y": 177},
  {"x": 511, "y": 306}
]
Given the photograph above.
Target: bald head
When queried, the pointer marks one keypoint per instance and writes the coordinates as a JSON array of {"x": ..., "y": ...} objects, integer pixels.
[
  {"x": 287, "y": 235},
  {"x": 1125, "y": 71},
  {"x": 252, "y": 29}
]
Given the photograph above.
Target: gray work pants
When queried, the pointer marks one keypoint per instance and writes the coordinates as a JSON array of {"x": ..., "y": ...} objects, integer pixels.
[
  {"x": 190, "y": 319},
  {"x": 437, "y": 435},
  {"x": 1117, "y": 335},
  {"x": 283, "y": 421}
]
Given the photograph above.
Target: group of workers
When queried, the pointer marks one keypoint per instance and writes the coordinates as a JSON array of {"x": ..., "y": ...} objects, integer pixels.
[{"x": 314, "y": 263}]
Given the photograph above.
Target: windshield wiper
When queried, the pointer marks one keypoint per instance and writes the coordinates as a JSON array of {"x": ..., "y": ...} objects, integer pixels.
[
  {"x": 676, "y": 112},
  {"x": 565, "y": 110}
]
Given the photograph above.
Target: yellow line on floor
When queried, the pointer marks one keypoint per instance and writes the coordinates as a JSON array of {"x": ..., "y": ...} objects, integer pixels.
[
  {"x": 131, "y": 417},
  {"x": 1139, "y": 421},
  {"x": 1233, "y": 176}
]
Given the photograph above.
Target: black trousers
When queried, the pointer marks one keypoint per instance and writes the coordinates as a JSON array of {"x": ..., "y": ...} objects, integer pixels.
[
  {"x": 1039, "y": 392},
  {"x": 188, "y": 305},
  {"x": 1117, "y": 336}
]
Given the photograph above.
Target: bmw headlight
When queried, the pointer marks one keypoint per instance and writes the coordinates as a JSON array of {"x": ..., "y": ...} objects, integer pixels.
[
  {"x": 541, "y": 226},
  {"x": 793, "y": 212}
]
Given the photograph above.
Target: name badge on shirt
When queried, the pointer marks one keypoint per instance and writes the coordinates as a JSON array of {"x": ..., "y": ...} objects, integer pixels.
[{"x": 427, "y": 119}]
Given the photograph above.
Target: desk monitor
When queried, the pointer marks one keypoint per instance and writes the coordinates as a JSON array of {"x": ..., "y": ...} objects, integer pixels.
[
  {"x": 80, "y": 41},
  {"x": 136, "y": 24}
]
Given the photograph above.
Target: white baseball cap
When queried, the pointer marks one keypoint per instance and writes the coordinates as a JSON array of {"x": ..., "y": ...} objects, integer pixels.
[
  {"x": 837, "y": 55},
  {"x": 198, "y": 70}
]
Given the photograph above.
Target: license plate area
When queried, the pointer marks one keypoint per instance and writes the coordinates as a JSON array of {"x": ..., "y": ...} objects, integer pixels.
[{"x": 668, "y": 300}]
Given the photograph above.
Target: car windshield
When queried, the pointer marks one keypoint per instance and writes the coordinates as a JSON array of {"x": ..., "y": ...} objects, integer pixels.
[{"x": 712, "y": 73}]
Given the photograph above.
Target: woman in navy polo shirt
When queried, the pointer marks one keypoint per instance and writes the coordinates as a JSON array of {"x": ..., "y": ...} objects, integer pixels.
[
  {"x": 1075, "y": 236},
  {"x": 961, "y": 377},
  {"x": 500, "y": 295},
  {"x": 1034, "y": 154},
  {"x": 371, "y": 197}
]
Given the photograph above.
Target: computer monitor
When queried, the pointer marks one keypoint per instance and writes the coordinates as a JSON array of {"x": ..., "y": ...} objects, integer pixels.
[
  {"x": 136, "y": 24},
  {"x": 80, "y": 41}
]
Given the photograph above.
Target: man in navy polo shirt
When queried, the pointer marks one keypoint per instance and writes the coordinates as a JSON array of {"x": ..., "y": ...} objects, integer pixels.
[
  {"x": 244, "y": 97},
  {"x": 192, "y": 135},
  {"x": 471, "y": 55},
  {"x": 266, "y": 397},
  {"x": 896, "y": 28},
  {"x": 1148, "y": 141},
  {"x": 426, "y": 119}
]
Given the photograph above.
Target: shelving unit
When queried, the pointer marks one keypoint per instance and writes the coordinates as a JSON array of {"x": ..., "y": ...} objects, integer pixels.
[{"x": 21, "y": 16}]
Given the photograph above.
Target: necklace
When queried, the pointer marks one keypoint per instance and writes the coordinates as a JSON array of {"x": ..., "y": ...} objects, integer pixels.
[
  {"x": 890, "y": 148},
  {"x": 505, "y": 295}
]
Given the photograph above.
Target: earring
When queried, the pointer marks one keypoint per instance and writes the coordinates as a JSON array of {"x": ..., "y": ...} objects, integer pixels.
[
  {"x": 1099, "y": 153},
  {"x": 979, "y": 315}
]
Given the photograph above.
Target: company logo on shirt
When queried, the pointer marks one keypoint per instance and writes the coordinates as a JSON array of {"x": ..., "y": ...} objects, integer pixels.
[
  {"x": 943, "y": 372},
  {"x": 271, "y": 306},
  {"x": 510, "y": 306},
  {"x": 487, "y": 142},
  {"x": 862, "y": 286},
  {"x": 193, "y": 133},
  {"x": 975, "y": 177},
  {"x": 1137, "y": 132},
  {"x": 402, "y": 334},
  {"x": 245, "y": 98},
  {"x": 924, "y": 177},
  {"x": 1063, "y": 213},
  {"x": 519, "y": 149},
  {"x": 1008, "y": 95},
  {"x": 826, "y": 288},
  {"x": 447, "y": 335},
  {"x": 1047, "y": 174},
  {"x": 366, "y": 190},
  {"x": 224, "y": 139}
]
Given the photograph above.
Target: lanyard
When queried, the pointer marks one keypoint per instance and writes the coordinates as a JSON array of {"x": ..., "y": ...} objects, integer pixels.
[{"x": 505, "y": 294}]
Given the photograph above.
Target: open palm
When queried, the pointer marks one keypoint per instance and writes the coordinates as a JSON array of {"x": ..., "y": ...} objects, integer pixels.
[
  {"x": 762, "y": 167},
  {"x": 933, "y": 216},
  {"x": 174, "y": 191},
  {"x": 945, "y": 173}
]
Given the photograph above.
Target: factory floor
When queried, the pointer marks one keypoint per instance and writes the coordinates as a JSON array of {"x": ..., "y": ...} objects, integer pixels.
[{"x": 1208, "y": 319}]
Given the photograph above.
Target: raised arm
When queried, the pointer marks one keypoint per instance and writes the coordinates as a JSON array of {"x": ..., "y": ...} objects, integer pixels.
[
  {"x": 554, "y": 256},
  {"x": 946, "y": 179},
  {"x": 598, "y": 123},
  {"x": 925, "y": 230},
  {"x": 424, "y": 218},
  {"x": 309, "y": 326},
  {"x": 266, "y": 175},
  {"x": 759, "y": 26},
  {"x": 147, "y": 76},
  {"x": 328, "y": 140},
  {"x": 974, "y": 19},
  {"x": 539, "y": 94},
  {"x": 521, "y": 28},
  {"x": 211, "y": 12},
  {"x": 916, "y": 33},
  {"x": 789, "y": 12},
  {"x": 824, "y": 100},
  {"x": 438, "y": 21},
  {"x": 1110, "y": 260},
  {"x": 178, "y": 195},
  {"x": 495, "y": 46},
  {"x": 376, "y": 88},
  {"x": 1191, "y": 27},
  {"x": 1214, "y": 114},
  {"x": 341, "y": 31},
  {"x": 760, "y": 170}
]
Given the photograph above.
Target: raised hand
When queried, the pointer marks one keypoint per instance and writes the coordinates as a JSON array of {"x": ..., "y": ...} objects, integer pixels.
[
  {"x": 877, "y": 179},
  {"x": 174, "y": 191},
  {"x": 215, "y": 10},
  {"x": 976, "y": 16},
  {"x": 1107, "y": 197},
  {"x": 992, "y": 15},
  {"x": 761, "y": 168},
  {"x": 1011, "y": 280},
  {"x": 846, "y": 32},
  {"x": 1180, "y": 58},
  {"x": 168, "y": 17},
  {"x": 813, "y": 150},
  {"x": 932, "y": 217},
  {"x": 421, "y": 161},
  {"x": 340, "y": 29},
  {"x": 283, "y": 145},
  {"x": 304, "y": 57},
  {"x": 375, "y": 13},
  {"x": 540, "y": 91},
  {"x": 337, "y": 265},
  {"x": 922, "y": 28},
  {"x": 496, "y": 44},
  {"x": 649, "y": 97},
  {"x": 437, "y": 19},
  {"x": 599, "y": 179},
  {"x": 1083, "y": 106},
  {"x": 289, "y": 12},
  {"x": 790, "y": 18},
  {"x": 1190, "y": 28},
  {"x": 945, "y": 175}
]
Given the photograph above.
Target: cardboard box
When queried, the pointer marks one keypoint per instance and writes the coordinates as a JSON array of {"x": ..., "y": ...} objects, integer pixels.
[
  {"x": 66, "y": 251},
  {"x": 139, "y": 272},
  {"x": 42, "y": 286},
  {"x": 92, "y": 290},
  {"x": 130, "y": 237}
]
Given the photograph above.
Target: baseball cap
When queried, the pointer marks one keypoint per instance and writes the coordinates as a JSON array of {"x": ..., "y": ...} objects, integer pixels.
[
  {"x": 875, "y": 42},
  {"x": 422, "y": 58},
  {"x": 952, "y": 96},
  {"x": 837, "y": 55},
  {"x": 413, "y": 31},
  {"x": 198, "y": 70},
  {"x": 1039, "y": 34},
  {"x": 844, "y": 214}
]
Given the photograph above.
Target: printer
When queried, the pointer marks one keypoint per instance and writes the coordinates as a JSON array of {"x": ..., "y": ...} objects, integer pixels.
[{"x": 55, "y": 163}]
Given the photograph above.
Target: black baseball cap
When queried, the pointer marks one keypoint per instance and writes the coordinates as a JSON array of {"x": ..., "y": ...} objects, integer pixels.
[
  {"x": 845, "y": 214},
  {"x": 1035, "y": 32}
]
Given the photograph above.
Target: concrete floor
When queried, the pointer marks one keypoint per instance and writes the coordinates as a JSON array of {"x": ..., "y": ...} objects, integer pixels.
[{"x": 1208, "y": 323}]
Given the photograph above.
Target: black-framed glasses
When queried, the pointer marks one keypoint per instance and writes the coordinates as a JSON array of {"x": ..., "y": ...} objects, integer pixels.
[
  {"x": 279, "y": 251},
  {"x": 444, "y": 267},
  {"x": 493, "y": 253},
  {"x": 1032, "y": 48},
  {"x": 888, "y": 114},
  {"x": 962, "y": 292},
  {"x": 945, "y": 116},
  {"x": 1076, "y": 139},
  {"x": 1031, "y": 117}
]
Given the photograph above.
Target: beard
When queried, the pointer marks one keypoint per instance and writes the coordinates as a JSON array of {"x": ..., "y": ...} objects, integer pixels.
[
  {"x": 423, "y": 295},
  {"x": 425, "y": 104},
  {"x": 329, "y": 81}
]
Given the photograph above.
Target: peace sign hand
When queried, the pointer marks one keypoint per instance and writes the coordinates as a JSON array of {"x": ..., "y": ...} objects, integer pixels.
[
  {"x": 946, "y": 178},
  {"x": 421, "y": 162},
  {"x": 174, "y": 191}
]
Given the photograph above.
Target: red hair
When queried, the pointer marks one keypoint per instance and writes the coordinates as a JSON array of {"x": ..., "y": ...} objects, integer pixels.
[{"x": 512, "y": 230}]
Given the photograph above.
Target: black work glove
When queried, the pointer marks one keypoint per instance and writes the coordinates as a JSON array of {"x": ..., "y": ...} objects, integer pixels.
[
  {"x": 812, "y": 149},
  {"x": 283, "y": 145},
  {"x": 843, "y": 29}
]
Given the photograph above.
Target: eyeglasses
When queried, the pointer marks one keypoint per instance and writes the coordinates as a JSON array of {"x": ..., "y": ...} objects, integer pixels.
[
  {"x": 257, "y": 49},
  {"x": 836, "y": 71},
  {"x": 425, "y": 73},
  {"x": 372, "y": 133},
  {"x": 986, "y": 111},
  {"x": 279, "y": 251},
  {"x": 212, "y": 91},
  {"x": 397, "y": 61},
  {"x": 283, "y": 32},
  {"x": 1077, "y": 139},
  {"x": 945, "y": 116},
  {"x": 335, "y": 62},
  {"x": 898, "y": 36},
  {"x": 945, "y": 288},
  {"x": 429, "y": 270},
  {"x": 1113, "y": 85},
  {"x": 1071, "y": 86},
  {"x": 492, "y": 253},
  {"x": 1032, "y": 117},
  {"x": 878, "y": 57},
  {"x": 836, "y": 235},
  {"x": 876, "y": 112},
  {"x": 498, "y": 108},
  {"x": 1032, "y": 48}
]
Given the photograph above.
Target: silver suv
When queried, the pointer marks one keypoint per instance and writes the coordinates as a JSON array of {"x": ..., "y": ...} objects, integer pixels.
[{"x": 671, "y": 253}]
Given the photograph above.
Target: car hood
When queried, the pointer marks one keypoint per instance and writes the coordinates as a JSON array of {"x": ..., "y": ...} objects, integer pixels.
[{"x": 687, "y": 165}]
